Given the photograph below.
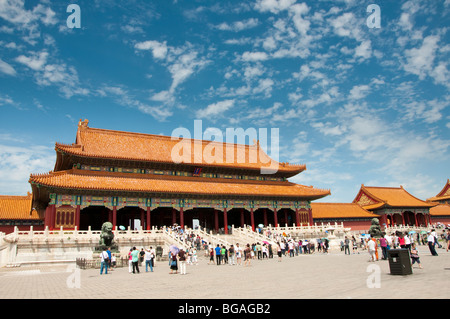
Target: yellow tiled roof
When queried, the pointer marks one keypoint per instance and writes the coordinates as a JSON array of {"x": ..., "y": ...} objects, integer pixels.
[
  {"x": 17, "y": 208},
  {"x": 377, "y": 197},
  {"x": 91, "y": 180},
  {"x": 443, "y": 194},
  {"x": 110, "y": 144},
  {"x": 340, "y": 210},
  {"x": 440, "y": 210}
]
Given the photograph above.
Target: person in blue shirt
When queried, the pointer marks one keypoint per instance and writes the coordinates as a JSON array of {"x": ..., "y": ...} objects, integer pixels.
[{"x": 218, "y": 254}]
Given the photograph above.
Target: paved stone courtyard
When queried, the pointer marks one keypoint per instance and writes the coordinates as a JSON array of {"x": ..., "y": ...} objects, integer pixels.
[{"x": 315, "y": 276}]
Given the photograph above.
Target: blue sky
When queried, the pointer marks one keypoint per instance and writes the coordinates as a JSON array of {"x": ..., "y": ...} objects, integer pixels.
[{"x": 357, "y": 105}]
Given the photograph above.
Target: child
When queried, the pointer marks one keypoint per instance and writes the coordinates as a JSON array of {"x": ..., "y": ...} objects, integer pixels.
[{"x": 415, "y": 255}]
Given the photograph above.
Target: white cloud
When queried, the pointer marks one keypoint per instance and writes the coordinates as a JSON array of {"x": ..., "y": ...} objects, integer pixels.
[
  {"x": 215, "y": 109},
  {"x": 159, "y": 49},
  {"x": 181, "y": 62},
  {"x": 364, "y": 50},
  {"x": 238, "y": 25},
  {"x": 254, "y": 56},
  {"x": 274, "y": 6},
  {"x": 123, "y": 97},
  {"x": 347, "y": 25},
  {"x": 359, "y": 92},
  {"x": 17, "y": 164},
  {"x": 35, "y": 62},
  {"x": 420, "y": 60},
  {"x": 7, "y": 68}
]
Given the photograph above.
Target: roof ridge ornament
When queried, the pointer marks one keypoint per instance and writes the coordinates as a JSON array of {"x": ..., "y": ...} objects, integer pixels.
[{"x": 83, "y": 124}]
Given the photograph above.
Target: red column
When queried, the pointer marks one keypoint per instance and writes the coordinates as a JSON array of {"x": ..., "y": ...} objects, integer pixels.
[
  {"x": 181, "y": 217},
  {"x": 297, "y": 219},
  {"x": 52, "y": 225},
  {"x": 48, "y": 216},
  {"x": 275, "y": 218},
  {"x": 216, "y": 220},
  {"x": 142, "y": 219},
  {"x": 225, "y": 220},
  {"x": 252, "y": 219},
  {"x": 148, "y": 218},
  {"x": 403, "y": 218},
  {"x": 77, "y": 217},
  {"x": 174, "y": 216},
  {"x": 114, "y": 217}
]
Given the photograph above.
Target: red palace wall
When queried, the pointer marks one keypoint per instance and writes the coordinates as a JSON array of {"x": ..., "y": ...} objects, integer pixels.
[{"x": 440, "y": 219}]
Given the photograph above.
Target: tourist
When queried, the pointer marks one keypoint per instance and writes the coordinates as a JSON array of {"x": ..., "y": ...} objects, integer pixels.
[
  {"x": 173, "y": 263},
  {"x": 283, "y": 247},
  {"x": 448, "y": 239},
  {"x": 224, "y": 255},
  {"x": 182, "y": 260},
  {"x": 130, "y": 261},
  {"x": 148, "y": 260},
  {"x": 291, "y": 249},
  {"x": 232, "y": 255},
  {"x": 436, "y": 241},
  {"x": 265, "y": 252},
  {"x": 258, "y": 250},
  {"x": 109, "y": 258},
  {"x": 355, "y": 245},
  {"x": 371, "y": 246},
  {"x": 431, "y": 242},
  {"x": 238, "y": 254},
  {"x": 383, "y": 244},
  {"x": 388, "y": 241},
  {"x": 153, "y": 254},
  {"x": 248, "y": 255},
  {"x": 325, "y": 245},
  {"x": 401, "y": 240},
  {"x": 211, "y": 256},
  {"x": 135, "y": 260},
  {"x": 279, "y": 251},
  {"x": 347, "y": 245},
  {"x": 141, "y": 256},
  {"x": 395, "y": 240},
  {"x": 194, "y": 256},
  {"x": 415, "y": 256},
  {"x": 218, "y": 254},
  {"x": 407, "y": 241},
  {"x": 104, "y": 261}
]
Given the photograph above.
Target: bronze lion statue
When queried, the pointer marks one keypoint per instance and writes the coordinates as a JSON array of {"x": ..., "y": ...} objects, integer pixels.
[{"x": 107, "y": 236}]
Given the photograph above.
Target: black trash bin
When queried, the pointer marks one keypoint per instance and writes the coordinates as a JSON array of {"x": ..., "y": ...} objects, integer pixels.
[{"x": 399, "y": 262}]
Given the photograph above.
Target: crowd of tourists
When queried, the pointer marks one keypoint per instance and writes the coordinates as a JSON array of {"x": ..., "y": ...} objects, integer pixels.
[
  {"x": 281, "y": 245},
  {"x": 396, "y": 240}
]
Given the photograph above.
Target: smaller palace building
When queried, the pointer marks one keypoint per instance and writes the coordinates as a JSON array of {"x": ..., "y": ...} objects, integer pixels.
[
  {"x": 17, "y": 211},
  {"x": 440, "y": 213},
  {"x": 351, "y": 215},
  {"x": 394, "y": 206}
]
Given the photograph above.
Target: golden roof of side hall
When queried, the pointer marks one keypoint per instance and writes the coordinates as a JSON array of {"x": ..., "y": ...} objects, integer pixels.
[
  {"x": 371, "y": 197},
  {"x": 112, "y": 144},
  {"x": 130, "y": 182},
  {"x": 17, "y": 208},
  {"x": 340, "y": 210},
  {"x": 440, "y": 210},
  {"x": 443, "y": 194}
]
